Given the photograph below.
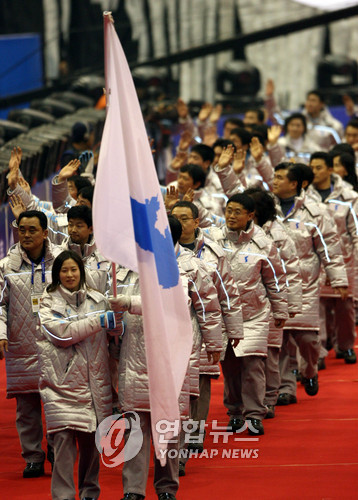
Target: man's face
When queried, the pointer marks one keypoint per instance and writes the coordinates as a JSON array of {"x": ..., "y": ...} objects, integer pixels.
[
  {"x": 313, "y": 104},
  {"x": 250, "y": 118},
  {"x": 79, "y": 231},
  {"x": 185, "y": 182},
  {"x": 282, "y": 186},
  {"x": 31, "y": 234},
  {"x": 295, "y": 128},
  {"x": 338, "y": 168},
  {"x": 237, "y": 217},
  {"x": 83, "y": 201},
  {"x": 196, "y": 159},
  {"x": 351, "y": 135},
  {"x": 321, "y": 171},
  {"x": 72, "y": 190},
  {"x": 188, "y": 223},
  {"x": 228, "y": 127}
]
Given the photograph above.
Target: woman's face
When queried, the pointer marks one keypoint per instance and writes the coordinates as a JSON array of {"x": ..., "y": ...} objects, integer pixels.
[
  {"x": 295, "y": 128},
  {"x": 70, "y": 275},
  {"x": 338, "y": 168}
]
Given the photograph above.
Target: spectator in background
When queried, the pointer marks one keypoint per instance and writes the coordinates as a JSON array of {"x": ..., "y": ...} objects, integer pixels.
[{"x": 296, "y": 141}]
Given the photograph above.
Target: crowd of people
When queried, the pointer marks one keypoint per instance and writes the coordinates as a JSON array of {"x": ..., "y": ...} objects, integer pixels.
[{"x": 265, "y": 230}]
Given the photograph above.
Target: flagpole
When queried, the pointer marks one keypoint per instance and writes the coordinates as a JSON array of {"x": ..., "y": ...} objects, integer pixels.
[{"x": 108, "y": 18}]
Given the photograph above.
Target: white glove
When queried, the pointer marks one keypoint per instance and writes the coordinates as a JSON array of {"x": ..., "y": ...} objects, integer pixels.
[{"x": 120, "y": 303}]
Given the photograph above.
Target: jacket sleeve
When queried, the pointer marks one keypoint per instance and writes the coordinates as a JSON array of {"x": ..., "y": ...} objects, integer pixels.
[
  {"x": 206, "y": 304},
  {"x": 291, "y": 266},
  {"x": 63, "y": 331},
  {"x": 230, "y": 182},
  {"x": 276, "y": 154},
  {"x": 327, "y": 245},
  {"x": 61, "y": 198},
  {"x": 208, "y": 219},
  {"x": 229, "y": 299},
  {"x": 275, "y": 283},
  {"x": 272, "y": 109},
  {"x": 264, "y": 168},
  {"x": 4, "y": 303}
]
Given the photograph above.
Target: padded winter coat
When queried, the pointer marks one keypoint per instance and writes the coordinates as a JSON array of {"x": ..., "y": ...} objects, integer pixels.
[
  {"x": 75, "y": 384},
  {"x": 258, "y": 273},
  {"x": 342, "y": 205},
  {"x": 228, "y": 294},
  {"x": 133, "y": 386},
  {"x": 317, "y": 243},
  {"x": 18, "y": 323},
  {"x": 291, "y": 266}
]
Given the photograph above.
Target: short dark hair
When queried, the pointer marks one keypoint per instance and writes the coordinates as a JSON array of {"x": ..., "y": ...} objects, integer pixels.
[
  {"x": 223, "y": 143},
  {"x": 260, "y": 131},
  {"x": 206, "y": 152},
  {"x": 57, "y": 265},
  {"x": 244, "y": 199},
  {"x": 195, "y": 172},
  {"x": 87, "y": 193},
  {"x": 352, "y": 123},
  {"x": 34, "y": 213},
  {"x": 187, "y": 204},
  {"x": 316, "y": 93},
  {"x": 307, "y": 173},
  {"x": 343, "y": 147},
  {"x": 244, "y": 135},
  {"x": 175, "y": 228},
  {"x": 80, "y": 182},
  {"x": 322, "y": 155},
  {"x": 259, "y": 113},
  {"x": 294, "y": 172},
  {"x": 295, "y": 116},
  {"x": 235, "y": 121},
  {"x": 80, "y": 212},
  {"x": 265, "y": 208}
]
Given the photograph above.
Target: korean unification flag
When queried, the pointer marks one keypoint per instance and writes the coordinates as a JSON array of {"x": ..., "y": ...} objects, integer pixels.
[{"x": 131, "y": 228}]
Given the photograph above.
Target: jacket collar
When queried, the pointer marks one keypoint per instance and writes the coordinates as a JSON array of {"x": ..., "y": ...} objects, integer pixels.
[
  {"x": 298, "y": 203},
  {"x": 88, "y": 249},
  {"x": 17, "y": 255},
  {"x": 73, "y": 298}
]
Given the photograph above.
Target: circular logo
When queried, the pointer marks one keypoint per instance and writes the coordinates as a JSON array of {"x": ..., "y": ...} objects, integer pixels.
[{"x": 119, "y": 438}]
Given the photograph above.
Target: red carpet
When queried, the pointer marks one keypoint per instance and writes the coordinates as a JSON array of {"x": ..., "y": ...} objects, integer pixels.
[{"x": 309, "y": 451}]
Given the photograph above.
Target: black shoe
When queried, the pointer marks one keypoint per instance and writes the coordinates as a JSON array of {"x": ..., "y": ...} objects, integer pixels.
[
  {"x": 198, "y": 447},
  {"x": 270, "y": 411},
  {"x": 329, "y": 344},
  {"x": 350, "y": 357},
  {"x": 50, "y": 455},
  {"x": 321, "y": 364},
  {"x": 255, "y": 427},
  {"x": 236, "y": 424},
  {"x": 181, "y": 469},
  {"x": 132, "y": 496},
  {"x": 297, "y": 375},
  {"x": 166, "y": 496},
  {"x": 34, "y": 469},
  {"x": 311, "y": 385},
  {"x": 285, "y": 399},
  {"x": 339, "y": 354},
  {"x": 88, "y": 498}
]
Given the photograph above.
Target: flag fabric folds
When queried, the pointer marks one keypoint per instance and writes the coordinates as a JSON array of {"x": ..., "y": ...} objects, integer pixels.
[{"x": 131, "y": 228}]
